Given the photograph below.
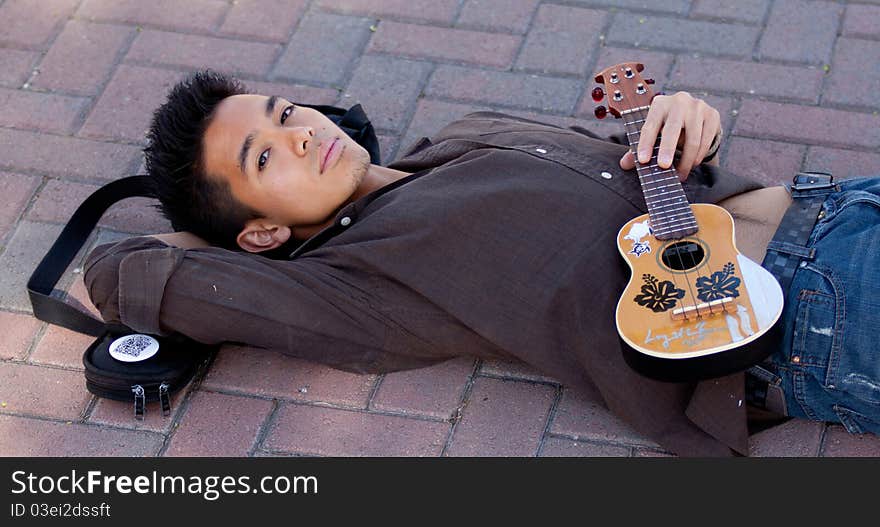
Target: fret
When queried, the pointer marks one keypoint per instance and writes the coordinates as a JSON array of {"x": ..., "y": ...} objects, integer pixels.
[
  {"x": 664, "y": 216},
  {"x": 636, "y": 132},
  {"x": 666, "y": 230},
  {"x": 660, "y": 194},
  {"x": 633, "y": 122},
  {"x": 667, "y": 199},
  {"x": 664, "y": 180},
  {"x": 669, "y": 205},
  {"x": 659, "y": 172},
  {"x": 631, "y": 110}
]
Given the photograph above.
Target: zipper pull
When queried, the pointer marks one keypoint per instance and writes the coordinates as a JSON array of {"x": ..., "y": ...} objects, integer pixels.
[
  {"x": 139, "y": 401},
  {"x": 164, "y": 399}
]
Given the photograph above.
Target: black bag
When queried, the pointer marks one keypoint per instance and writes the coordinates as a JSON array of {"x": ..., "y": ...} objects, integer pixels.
[{"x": 174, "y": 360}]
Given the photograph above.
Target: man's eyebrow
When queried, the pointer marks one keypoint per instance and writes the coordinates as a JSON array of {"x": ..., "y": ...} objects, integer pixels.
[
  {"x": 270, "y": 105},
  {"x": 245, "y": 148}
]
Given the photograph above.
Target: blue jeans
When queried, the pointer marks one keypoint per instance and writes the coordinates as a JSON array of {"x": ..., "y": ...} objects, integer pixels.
[{"x": 829, "y": 362}]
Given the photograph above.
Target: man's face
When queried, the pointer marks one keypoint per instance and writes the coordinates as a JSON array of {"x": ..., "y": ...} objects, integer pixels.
[{"x": 272, "y": 154}]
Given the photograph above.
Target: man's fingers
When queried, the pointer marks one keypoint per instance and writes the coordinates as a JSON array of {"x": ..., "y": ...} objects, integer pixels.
[
  {"x": 648, "y": 135},
  {"x": 627, "y": 162},
  {"x": 668, "y": 140},
  {"x": 692, "y": 141}
]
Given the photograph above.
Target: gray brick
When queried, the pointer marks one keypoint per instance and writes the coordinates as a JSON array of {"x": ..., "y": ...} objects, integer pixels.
[
  {"x": 840, "y": 443},
  {"x": 410, "y": 40},
  {"x": 560, "y": 447},
  {"x": 342, "y": 39},
  {"x": 424, "y": 10},
  {"x": 562, "y": 40},
  {"x": 430, "y": 116},
  {"x": 45, "y": 112},
  {"x": 434, "y": 391},
  {"x": 795, "y": 438},
  {"x": 712, "y": 38},
  {"x": 793, "y": 34},
  {"x": 295, "y": 93},
  {"x": 499, "y": 15},
  {"x": 28, "y": 151},
  {"x": 534, "y": 92},
  {"x": 862, "y": 20},
  {"x": 25, "y": 249},
  {"x": 16, "y": 66},
  {"x": 581, "y": 419},
  {"x": 855, "y": 74},
  {"x": 197, "y": 52},
  {"x": 16, "y": 190},
  {"x": 749, "y": 78},
  {"x": 269, "y": 20},
  {"x": 752, "y": 11},
  {"x": 770, "y": 162},
  {"x": 666, "y": 6},
  {"x": 843, "y": 163},
  {"x": 203, "y": 15},
  {"x": 31, "y": 23},
  {"x": 36, "y": 390},
  {"x": 387, "y": 88},
  {"x": 81, "y": 57}
]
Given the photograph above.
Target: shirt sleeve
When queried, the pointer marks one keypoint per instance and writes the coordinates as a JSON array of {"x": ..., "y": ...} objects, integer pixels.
[{"x": 301, "y": 307}]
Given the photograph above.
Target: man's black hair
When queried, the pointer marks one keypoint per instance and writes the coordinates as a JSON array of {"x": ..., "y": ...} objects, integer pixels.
[{"x": 189, "y": 197}]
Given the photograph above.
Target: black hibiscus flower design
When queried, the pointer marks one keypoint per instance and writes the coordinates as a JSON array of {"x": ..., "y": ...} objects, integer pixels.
[
  {"x": 720, "y": 285},
  {"x": 658, "y": 296}
]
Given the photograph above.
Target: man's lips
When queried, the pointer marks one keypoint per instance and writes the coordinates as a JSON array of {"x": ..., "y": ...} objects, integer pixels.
[{"x": 325, "y": 152}]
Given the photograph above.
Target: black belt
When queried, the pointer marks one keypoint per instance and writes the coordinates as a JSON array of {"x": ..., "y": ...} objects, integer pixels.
[{"x": 783, "y": 257}]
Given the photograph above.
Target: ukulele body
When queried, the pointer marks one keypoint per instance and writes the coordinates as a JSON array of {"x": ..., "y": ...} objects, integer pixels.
[{"x": 694, "y": 307}]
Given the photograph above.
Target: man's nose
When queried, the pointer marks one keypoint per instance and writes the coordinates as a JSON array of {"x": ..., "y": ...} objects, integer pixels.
[{"x": 301, "y": 138}]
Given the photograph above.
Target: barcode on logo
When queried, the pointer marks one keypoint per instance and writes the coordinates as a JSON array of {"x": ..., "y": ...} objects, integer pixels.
[{"x": 133, "y": 345}]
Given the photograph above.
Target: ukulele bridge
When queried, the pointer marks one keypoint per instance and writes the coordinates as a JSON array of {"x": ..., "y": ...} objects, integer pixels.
[{"x": 702, "y": 309}]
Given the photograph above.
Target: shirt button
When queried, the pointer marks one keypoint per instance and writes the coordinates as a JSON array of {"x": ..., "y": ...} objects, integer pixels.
[
  {"x": 345, "y": 222},
  {"x": 606, "y": 175},
  {"x": 540, "y": 151}
]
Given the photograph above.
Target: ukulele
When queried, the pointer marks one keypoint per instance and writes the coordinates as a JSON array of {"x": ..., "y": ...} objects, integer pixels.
[{"x": 694, "y": 307}]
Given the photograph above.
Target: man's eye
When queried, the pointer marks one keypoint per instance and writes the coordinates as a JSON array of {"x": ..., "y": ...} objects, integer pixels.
[
  {"x": 286, "y": 113},
  {"x": 263, "y": 159}
]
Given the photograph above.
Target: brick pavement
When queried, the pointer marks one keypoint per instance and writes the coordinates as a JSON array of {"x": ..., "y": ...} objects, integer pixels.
[{"x": 795, "y": 81}]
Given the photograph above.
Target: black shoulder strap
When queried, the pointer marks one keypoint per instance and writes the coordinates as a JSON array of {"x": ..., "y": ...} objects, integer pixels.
[{"x": 65, "y": 248}]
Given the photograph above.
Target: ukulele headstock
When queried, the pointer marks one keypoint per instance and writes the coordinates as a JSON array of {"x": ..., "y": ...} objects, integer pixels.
[{"x": 624, "y": 88}]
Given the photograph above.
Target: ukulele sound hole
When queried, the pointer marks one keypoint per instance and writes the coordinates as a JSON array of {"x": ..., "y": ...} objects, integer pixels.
[{"x": 682, "y": 256}]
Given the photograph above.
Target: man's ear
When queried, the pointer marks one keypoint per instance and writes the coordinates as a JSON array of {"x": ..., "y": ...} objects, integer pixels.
[{"x": 260, "y": 235}]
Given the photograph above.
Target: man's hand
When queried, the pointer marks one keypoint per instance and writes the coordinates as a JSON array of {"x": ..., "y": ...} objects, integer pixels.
[{"x": 682, "y": 121}]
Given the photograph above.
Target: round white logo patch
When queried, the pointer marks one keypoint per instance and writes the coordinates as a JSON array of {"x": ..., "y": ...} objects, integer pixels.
[{"x": 134, "y": 348}]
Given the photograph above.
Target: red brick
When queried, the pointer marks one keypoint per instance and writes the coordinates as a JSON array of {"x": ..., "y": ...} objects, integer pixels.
[
  {"x": 16, "y": 66},
  {"x": 201, "y": 15},
  {"x": 24, "y": 437},
  {"x": 489, "y": 49},
  {"x": 808, "y": 124},
  {"x": 31, "y": 152},
  {"x": 792, "y": 32},
  {"x": 428, "y": 10},
  {"x": 269, "y": 20},
  {"x": 513, "y": 370},
  {"x": 32, "y": 23},
  {"x": 843, "y": 163},
  {"x": 770, "y": 162},
  {"x": 387, "y": 88},
  {"x": 794, "y": 438},
  {"x": 16, "y": 190},
  {"x": 547, "y": 94},
  {"x": 855, "y": 70},
  {"x": 37, "y": 390},
  {"x": 646, "y": 452},
  {"x": 127, "y": 104},
  {"x": 749, "y": 78},
  {"x": 197, "y": 52},
  {"x": 342, "y": 39},
  {"x": 121, "y": 414},
  {"x": 24, "y": 250},
  {"x": 219, "y": 425},
  {"x": 58, "y": 199},
  {"x": 387, "y": 147},
  {"x": 44, "y": 112},
  {"x": 273, "y": 374},
  {"x": 82, "y": 57},
  {"x": 743, "y": 10},
  {"x": 561, "y": 40},
  {"x": 61, "y": 347},
  {"x": 840, "y": 443},
  {"x": 502, "y": 418},
  {"x": 434, "y": 391},
  {"x": 77, "y": 294},
  {"x": 17, "y": 332},
  {"x": 560, "y": 447},
  {"x": 713, "y": 38},
  {"x": 295, "y": 93},
  {"x": 498, "y": 15},
  {"x": 330, "y": 432},
  {"x": 862, "y": 20},
  {"x": 583, "y": 419}
]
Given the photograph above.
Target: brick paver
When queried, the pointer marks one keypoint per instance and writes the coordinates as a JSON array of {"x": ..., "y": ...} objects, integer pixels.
[{"x": 794, "y": 81}]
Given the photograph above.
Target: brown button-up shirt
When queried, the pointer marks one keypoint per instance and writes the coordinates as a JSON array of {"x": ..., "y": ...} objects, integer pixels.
[{"x": 501, "y": 244}]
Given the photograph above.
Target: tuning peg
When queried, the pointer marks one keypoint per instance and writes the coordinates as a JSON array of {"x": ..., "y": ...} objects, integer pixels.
[
  {"x": 598, "y": 94},
  {"x": 649, "y": 81},
  {"x": 600, "y": 112}
]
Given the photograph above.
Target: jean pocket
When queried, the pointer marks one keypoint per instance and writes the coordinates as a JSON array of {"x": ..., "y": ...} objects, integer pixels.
[
  {"x": 816, "y": 332},
  {"x": 855, "y": 422}
]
